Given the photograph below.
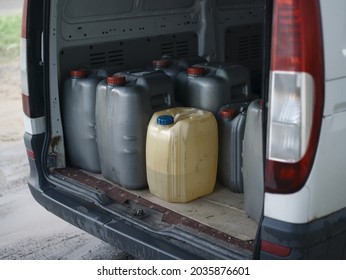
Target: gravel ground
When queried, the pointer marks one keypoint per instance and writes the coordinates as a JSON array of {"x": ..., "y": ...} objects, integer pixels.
[{"x": 11, "y": 116}]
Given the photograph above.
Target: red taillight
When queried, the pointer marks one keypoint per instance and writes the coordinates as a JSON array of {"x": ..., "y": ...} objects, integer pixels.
[
  {"x": 297, "y": 39},
  {"x": 296, "y": 94},
  {"x": 30, "y": 154},
  {"x": 24, "y": 18},
  {"x": 275, "y": 249},
  {"x": 26, "y": 105}
]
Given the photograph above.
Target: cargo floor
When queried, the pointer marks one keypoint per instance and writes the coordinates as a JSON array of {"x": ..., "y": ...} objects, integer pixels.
[{"x": 222, "y": 211}]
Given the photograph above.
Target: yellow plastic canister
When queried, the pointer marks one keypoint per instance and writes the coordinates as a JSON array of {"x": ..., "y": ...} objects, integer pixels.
[{"x": 181, "y": 154}]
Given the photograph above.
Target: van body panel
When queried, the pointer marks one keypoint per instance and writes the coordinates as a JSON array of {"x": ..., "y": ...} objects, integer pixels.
[
  {"x": 327, "y": 182},
  {"x": 334, "y": 37},
  {"x": 290, "y": 208},
  {"x": 335, "y": 100}
]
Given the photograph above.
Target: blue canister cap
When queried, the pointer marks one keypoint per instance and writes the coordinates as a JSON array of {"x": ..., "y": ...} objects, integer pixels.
[{"x": 165, "y": 120}]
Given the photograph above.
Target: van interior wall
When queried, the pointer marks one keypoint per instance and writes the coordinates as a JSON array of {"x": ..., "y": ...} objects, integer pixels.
[{"x": 123, "y": 35}]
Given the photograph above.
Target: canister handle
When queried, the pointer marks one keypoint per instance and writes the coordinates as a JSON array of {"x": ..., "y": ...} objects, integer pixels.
[{"x": 189, "y": 113}]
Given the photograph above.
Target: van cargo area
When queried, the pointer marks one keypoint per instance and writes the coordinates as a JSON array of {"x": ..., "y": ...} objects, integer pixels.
[{"x": 121, "y": 47}]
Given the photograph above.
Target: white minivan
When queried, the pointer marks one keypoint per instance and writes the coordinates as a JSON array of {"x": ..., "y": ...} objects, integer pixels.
[{"x": 292, "y": 163}]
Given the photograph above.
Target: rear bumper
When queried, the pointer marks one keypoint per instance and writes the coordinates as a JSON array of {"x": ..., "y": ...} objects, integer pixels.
[
  {"x": 324, "y": 238},
  {"x": 145, "y": 243}
]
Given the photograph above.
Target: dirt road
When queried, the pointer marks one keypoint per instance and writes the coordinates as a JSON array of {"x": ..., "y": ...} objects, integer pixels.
[{"x": 11, "y": 118}]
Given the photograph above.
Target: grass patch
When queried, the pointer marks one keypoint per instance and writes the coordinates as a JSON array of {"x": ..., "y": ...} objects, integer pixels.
[{"x": 10, "y": 29}]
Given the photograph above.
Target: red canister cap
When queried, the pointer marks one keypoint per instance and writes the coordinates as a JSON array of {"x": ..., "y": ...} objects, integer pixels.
[
  {"x": 116, "y": 80},
  {"x": 161, "y": 63},
  {"x": 80, "y": 73},
  {"x": 196, "y": 71},
  {"x": 228, "y": 113}
]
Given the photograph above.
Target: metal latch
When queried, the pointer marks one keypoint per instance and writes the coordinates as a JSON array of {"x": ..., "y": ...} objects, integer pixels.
[{"x": 51, "y": 160}]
